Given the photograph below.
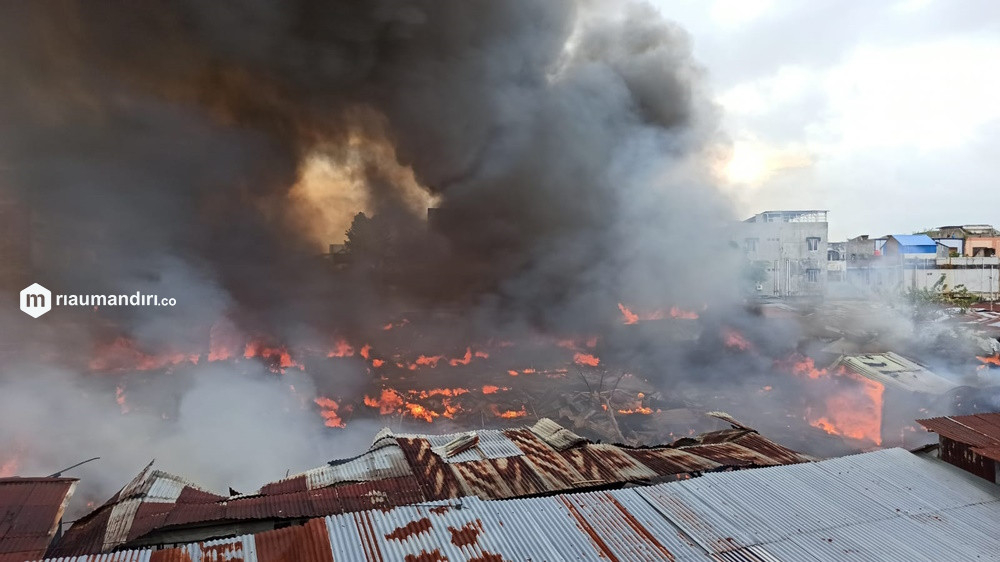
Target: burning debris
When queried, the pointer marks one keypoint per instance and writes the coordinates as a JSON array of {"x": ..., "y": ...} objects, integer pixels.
[{"x": 271, "y": 166}]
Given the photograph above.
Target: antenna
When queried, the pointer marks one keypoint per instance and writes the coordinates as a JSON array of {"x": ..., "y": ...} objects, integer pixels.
[{"x": 67, "y": 469}]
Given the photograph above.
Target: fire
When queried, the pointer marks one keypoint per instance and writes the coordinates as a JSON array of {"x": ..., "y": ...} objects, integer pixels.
[
  {"x": 735, "y": 340},
  {"x": 490, "y": 389},
  {"x": 329, "y": 410},
  {"x": 854, "y": 416},
  {"x": 378, "y": 363},
  {"x": 630, "y": 317},
  {"x": 277, "y": 357},
  {"x": 120, "y": 399},
  {"x": 123, "y": 354},
  {"x": 512, "y": 373},
  {"x": 801, "y": 366},
  {"x": 637, "y": 410},
  {"x": 509, "y": 414},
  {"x": 851, "y": 408},
  {"x": 387, "y": 403},
  {"x": 419, "y": 412},
  {"x": 683, "y": 314},
  {"x": 341, "y": 349},
  {"x": 366, "y": 351},
  {"x": 465, "y": 360},
  {"x": 989, "y": 361},
  {"x": 481, "y": 355},
  {"x": 429, "y": 361},
  {"x": 449, "y": 409},
  {"x": 449, "y": 392},
  {"x": 586, "y": 359}
]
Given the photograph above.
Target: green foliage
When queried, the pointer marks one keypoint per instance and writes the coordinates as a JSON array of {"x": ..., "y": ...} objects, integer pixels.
[{"x": 940, "y": 294}]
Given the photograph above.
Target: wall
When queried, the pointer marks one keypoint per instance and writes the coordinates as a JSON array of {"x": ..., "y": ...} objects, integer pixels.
[
  {"x": 982, "y": 281},
  {"x": 961, "y": 455},
  {"x": 784, "y": 251},
  {"x": 989, "y": 245}
]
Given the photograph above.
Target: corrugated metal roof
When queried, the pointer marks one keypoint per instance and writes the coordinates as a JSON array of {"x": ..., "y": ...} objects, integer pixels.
[
  {"x": 894, "y": 370},
  {"x": 30, "y": 510},
  {"x": 914, "y": 240},
  {"x": 977, "y": 430},
  {"x": 557, "y": 436},
  {"x": 400, "y": 469},
  {"x": 885, "y": 505}
]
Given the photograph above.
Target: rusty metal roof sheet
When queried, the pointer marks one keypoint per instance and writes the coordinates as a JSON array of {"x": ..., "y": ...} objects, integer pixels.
[
  {"x": 30, "y": 510},
  {"x": 401, "y": 469},
  {"x": 557, "y": 436},
  {"x": 885, "y": 505},
  {"x": 491, "y": 444},
  {"x": 977, "y": 430}
]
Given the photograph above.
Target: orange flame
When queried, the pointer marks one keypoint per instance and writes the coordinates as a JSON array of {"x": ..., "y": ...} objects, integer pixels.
[
  {"x": 683, "y": 314},
  {"x": 801, "y": 366},
  {"x": 989, "y": 361},
  {"x": 853, "y": 408},
  {"x": 674, "y": 312},
  {"x": 431, "y": 361},
  {"x": 637, "y": 410},
  {"x": 278, "y": 357},
  {"x": 490, "y": 389},
  {"x": 586, "y": 359},
  {"x": 630, "y": 317},
  {"x": 387, "y": 403},
  {"x": 854, "y": 416},
  {"x": 509, "y": 414},
  {"x": 735, "y": 340},
  {"x": 465, "y": 360},
  {"x": 329, "y": 410},
  {"x": 341, "y": 349},
  {"x": 419, "y": 412}
]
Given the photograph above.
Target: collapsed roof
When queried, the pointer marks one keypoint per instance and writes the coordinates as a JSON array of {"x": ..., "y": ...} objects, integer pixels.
[
  {"x": 888, "y": 504},
  {"x": 405, "y": 469},
  {"x": 30, "y": 510}
]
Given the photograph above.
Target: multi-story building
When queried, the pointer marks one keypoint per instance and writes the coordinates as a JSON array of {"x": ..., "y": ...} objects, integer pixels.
[{"x": 789, "y": 248}]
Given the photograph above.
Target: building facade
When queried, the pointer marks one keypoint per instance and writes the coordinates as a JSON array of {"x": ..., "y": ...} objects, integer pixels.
[{"x": 789, "y": 248}]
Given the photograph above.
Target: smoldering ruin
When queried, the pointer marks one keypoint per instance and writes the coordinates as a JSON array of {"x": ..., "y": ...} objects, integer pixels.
[{"x": 271, "y": 166}]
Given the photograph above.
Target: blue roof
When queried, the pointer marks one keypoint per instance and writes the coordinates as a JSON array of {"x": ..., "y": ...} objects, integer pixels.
[{"x": 913, "y": 240}]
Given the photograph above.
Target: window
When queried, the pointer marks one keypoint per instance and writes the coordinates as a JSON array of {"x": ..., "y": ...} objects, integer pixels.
[
  {"x": 812, "y": 275},
  {"x": 750, "y": 244},
  {"x": 813, "y": 242}
]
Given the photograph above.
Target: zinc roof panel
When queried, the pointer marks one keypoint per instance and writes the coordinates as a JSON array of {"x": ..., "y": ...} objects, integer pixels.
[
  {"x": 117, "y": 530},
  {"x": 518, "y": 476},
  {"x": 620, "y": 532},
  {"x": 346, "y": 541},
  {"x": 480, "y": 478},
  {"x": 680, "y": 545},
  {"x": 164, "y": 490},
  {"x": 666, "y": 462},
  {"x": 712, "y": 530},
  {"x": 384, "y": 462},
  {"x": 546, "y": 462},
  {"x": 542, "y": 528}
]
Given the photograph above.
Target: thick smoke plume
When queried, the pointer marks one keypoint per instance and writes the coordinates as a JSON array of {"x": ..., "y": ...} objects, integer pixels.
[{"x": 211, "y": 151}]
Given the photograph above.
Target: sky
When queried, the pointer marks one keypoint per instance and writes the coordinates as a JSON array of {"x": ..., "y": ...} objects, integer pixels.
[{"x": 886, "y": 113}]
